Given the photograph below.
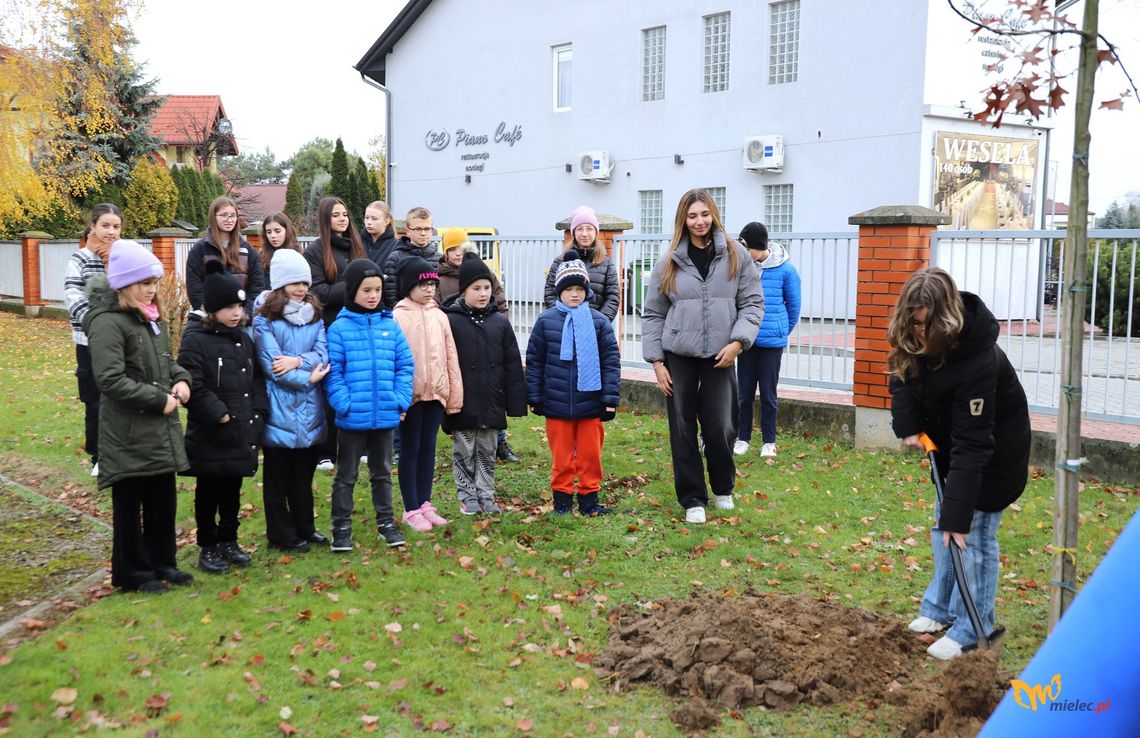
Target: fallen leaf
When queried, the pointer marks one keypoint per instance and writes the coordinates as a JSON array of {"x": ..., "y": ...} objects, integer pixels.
[
  {"x": 579, "y": 683},
  {"x": 65, "y": 695},
  {"x": 524, "y": 724}
]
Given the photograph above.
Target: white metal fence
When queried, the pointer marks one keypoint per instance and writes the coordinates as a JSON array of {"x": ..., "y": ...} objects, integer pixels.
[
  {"x": 12, "y": 269},
  {"x": 1019, "y": 275}
]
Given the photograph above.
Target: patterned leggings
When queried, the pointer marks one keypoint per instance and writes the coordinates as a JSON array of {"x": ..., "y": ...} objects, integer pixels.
[{"x": 473, "y": 464}]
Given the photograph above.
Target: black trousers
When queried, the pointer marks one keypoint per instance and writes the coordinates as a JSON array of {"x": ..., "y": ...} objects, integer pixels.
[
  {"x": 89, "y": 396},
  {"x": 326, "y": 449},
  {"x": 287, "y": 493},
  {"x": 143, "y": 511},
  {"x": 216, "y": 504},
  {"x": 706, "y": 397}
]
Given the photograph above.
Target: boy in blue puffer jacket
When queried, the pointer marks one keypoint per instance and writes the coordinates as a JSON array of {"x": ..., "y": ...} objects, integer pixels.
[
  {"x": 369, "y": 386},
  {"x": 573, "y": 377},
  {"x": 760, "y": 365}
]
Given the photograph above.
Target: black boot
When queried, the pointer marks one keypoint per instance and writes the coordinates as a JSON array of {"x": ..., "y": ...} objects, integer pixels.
[
  {"x": 589, "y": 506},
  {"x": 504, "y": 453},
  {"x": 210, "y": 561},
  {"x": 233, "y": 554},
  {"x": 563, "y": 503}
]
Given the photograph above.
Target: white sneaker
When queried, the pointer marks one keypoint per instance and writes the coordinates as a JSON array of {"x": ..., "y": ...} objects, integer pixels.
[
  {"x": 326, "y": 465},
  {"x": 768, "y": 449},
  {"x": 945, "y": 649},
  {"x": 724, "y": 502},
  {"x": 364, "y": 459},
  {"x": 695, "y": 515},
  {"x": 923, "y": 624},
  {"x": 95, "y": 469},
  {"x": 740, "y": 447}
]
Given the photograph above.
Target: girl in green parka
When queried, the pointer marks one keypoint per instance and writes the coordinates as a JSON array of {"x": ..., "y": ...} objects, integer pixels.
[{"x": 140, "y": 437}]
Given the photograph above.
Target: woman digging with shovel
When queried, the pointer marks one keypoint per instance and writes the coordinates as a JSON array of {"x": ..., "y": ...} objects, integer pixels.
[{"x": 952, "y": 383}]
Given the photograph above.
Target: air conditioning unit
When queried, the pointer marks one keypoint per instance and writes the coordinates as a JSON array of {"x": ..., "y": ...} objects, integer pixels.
[
  {"x": 764, "y": 153},
  {"x": 595, "y": 166}
]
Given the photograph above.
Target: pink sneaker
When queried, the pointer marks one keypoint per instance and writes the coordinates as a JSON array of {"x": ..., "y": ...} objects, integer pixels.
[
  {"x": 416, "y": 520},
  {"x": 432, "y": 516}
]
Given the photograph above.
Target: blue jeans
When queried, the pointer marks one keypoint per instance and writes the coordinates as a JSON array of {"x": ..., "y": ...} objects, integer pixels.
[
  {"x": 758, "y": 366},
  {"x": 942, "y": 601},
  {"x": 418, "y": 432}
]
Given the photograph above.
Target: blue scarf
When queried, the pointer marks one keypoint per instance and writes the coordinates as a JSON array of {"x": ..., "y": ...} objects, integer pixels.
[{"x": 578, "y": 337}]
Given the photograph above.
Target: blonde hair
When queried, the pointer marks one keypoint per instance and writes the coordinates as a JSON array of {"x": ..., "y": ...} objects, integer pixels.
[
  {"x": 382, "y": 207},
  {"x": 418, "y": 212},
  {"x": 680, "y": 230},
  {"x": 598, "y": 249},
  {"x": 934, "y": 290},
  {"x": 129, "y": 301}
]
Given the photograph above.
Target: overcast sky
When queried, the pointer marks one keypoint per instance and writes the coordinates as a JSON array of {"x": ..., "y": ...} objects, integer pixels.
[{"x": 285, "y": 75}]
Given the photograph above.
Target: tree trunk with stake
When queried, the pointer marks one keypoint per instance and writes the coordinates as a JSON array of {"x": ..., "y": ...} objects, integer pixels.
[{"x": 1068, "y": 451}]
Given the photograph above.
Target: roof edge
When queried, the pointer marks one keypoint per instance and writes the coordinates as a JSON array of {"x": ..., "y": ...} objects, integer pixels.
[{"x": 372, "y": 64}]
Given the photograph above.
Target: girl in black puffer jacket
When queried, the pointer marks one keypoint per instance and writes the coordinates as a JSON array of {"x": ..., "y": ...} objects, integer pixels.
[
  {"x": 226, "y": 416},
  {"x": 950, "y": 380}
]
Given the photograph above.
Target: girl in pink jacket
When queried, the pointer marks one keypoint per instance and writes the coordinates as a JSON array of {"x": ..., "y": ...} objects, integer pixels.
[{"x": 438, "y": 388}]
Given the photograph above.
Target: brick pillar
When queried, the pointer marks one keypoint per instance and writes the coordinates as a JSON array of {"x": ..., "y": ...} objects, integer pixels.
[
  {"x": 253, "y": 235},
  {"x": 162, "y": 246},
  {"x": 30, "y": 262},
  {"x": 894, "y": 242}
]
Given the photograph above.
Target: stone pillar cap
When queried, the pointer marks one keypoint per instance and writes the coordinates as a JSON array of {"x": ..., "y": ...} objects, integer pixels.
[
  {"x": 903, "y": 215},
  {"x": 606, "y": 222},
  {"x": 38, "y": 235},
  {"x": 169, "y": 233}
]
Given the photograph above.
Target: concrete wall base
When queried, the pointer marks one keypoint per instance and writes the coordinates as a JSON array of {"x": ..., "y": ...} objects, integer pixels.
[{"x": 873, "y": 429}]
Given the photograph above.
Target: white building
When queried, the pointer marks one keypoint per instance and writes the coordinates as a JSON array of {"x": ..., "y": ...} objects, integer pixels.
[{"x": 494, "y": 106}]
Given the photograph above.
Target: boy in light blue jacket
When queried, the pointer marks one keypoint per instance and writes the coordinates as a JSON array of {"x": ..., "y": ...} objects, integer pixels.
[{"x": 369, "y": 386}]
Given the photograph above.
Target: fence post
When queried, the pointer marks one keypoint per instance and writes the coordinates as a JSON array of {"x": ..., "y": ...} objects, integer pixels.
[
  {"x": 253, "y": 235},
  {"x": 894, "y": 242},
  {"x": 162, "y": 245},
  {"x": 30, "y": 261}
]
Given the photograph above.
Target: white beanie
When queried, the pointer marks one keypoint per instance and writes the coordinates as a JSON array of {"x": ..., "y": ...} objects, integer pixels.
[{"x": 288, "y": 267}]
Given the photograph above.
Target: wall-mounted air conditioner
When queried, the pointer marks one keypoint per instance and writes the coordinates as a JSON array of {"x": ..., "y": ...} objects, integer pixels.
[
  {"x": 595, "y": 166},
  {"x": 764, "y": 153}
]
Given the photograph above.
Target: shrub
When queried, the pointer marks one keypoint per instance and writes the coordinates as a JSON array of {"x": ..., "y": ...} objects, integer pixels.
[
  {"x": 1115, "y": 289},
  {"x": 152, "y": 196}
]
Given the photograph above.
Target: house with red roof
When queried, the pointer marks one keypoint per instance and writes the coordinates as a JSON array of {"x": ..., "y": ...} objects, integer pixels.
[{"x": 194, "y": 130}]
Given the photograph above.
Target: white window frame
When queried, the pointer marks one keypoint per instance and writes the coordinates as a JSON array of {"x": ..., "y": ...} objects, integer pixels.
[
  {"x": 719, "y": 195},
  {"x": 717, "y": 51},
  {"x": 779, "y": 207},
  {"x": 653, "y": 63},
  {"x": 784, "y": 42},
  {"x": 650, "y": 205},
  {"x": 555, "y": 59}
]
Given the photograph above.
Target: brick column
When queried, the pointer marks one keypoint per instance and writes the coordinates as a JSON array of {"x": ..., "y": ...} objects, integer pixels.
[
  {"x": 162, "y": 246},
  {"x": 894, "y": 242},
  {"x": 253, "y": 235},
  {"x": 30, "y": 262}
]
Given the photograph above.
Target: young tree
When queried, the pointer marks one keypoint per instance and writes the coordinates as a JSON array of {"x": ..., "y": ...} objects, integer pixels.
[
  {"x": 153, "y": 198},
  {"x": 338, "y": 185},
  {"x": 312, "y": 158},
  {"x": 258, "y": 167},
  {"x": 379, "y": 164},
  {"x": 294, "y": 201},
  {"x": 1114, "y": 217}
]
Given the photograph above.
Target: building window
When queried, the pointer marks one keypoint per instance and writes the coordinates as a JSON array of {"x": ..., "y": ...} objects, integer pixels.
[
  {"x": 650, "y": 211},
  {"x": 717, "y": 194},
  {"x": 784, "y": 42},
  {"x": 562, "y": 57},
  {"x": 653, "y": 64},
  {"x": 778, "y": 208},
  {"x": 718, "y": 28}
]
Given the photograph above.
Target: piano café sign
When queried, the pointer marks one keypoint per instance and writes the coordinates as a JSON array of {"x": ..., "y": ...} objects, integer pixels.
[{"x": 473, "y": 148}]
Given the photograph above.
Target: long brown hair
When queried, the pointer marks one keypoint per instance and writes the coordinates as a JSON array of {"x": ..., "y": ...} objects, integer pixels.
[
  {"x": 325, "y": 233},
  {"x": 268, "y": 251},
  {"x": 598, "y": 249},
  {"x": 274, "y": 306},
  {"x": 97, "y": 212},
  {"x": 934, "y": 290},
  {"x": 228, "y": 243},
  {"x": 681, "y": 230}
]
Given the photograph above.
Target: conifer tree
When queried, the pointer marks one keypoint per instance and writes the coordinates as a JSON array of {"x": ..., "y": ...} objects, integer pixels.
[{"x": 338, "y": 186}]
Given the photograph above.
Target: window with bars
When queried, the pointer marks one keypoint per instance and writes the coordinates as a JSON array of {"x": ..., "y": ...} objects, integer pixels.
[
  {"x": 784, "y": 42},
  {"x": 650, "y": 211},
  {"x": 653, "y": 64},
  {"x": 718, "y": 30},
  {"x": 778, "y": 208},
  {"x": 717, "y": 194},
  {"x": 562, "y": 58}
]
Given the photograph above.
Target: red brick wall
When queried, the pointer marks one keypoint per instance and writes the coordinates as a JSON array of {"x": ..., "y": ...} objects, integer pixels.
[{"x": 30, "y": 254}]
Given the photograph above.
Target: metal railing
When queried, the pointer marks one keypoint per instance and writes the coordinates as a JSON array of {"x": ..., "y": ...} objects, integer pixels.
[
  {"x": 1019, "y": 275},
  {"x": 12, "y": 269}
]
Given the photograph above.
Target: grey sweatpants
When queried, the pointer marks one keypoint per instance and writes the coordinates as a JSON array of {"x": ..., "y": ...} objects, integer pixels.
[{"x": 473, "y": 465}]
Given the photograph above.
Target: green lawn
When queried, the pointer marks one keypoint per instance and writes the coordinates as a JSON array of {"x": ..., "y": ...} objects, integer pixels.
[{"x": 482, "y": 628}]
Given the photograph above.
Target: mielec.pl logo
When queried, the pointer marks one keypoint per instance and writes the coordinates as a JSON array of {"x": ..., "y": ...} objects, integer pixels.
[{"x": 1030, "y": 697}]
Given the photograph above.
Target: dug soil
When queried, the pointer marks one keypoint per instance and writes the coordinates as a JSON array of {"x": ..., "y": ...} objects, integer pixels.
[{"x": 777, "y": 651}]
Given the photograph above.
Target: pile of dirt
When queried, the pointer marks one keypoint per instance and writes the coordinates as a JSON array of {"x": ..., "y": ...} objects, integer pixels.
[
  {"x": 956, "y": 701},
  {"x": 781, "y": 651}
]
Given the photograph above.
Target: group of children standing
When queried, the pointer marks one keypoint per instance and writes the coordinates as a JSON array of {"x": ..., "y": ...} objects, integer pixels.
[{"x": 336, "y": 342}]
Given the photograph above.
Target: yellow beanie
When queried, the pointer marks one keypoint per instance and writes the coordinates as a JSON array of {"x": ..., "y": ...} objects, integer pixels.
[{"x": 453, "y": 237}]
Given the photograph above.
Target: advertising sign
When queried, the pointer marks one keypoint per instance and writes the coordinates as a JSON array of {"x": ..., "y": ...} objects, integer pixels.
[{"x": 985, "y": 182}]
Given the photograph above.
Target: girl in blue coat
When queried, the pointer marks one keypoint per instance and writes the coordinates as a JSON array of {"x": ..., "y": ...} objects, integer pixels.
[
  {"x": 573, "y": 377},
  {"x": 369, "y": 387},
  {"x": 293, "y": 353},
  {"x": 760, "y": 365}
]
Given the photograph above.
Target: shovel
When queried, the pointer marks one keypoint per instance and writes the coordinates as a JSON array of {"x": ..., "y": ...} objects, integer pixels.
[{"x": 985, "y": 641}]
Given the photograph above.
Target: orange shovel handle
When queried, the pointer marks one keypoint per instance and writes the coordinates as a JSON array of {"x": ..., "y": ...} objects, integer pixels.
[{"x": 927, "y": 443}]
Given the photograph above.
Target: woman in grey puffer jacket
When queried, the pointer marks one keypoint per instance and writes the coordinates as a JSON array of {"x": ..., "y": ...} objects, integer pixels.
[{"x": 704, "y": 306}]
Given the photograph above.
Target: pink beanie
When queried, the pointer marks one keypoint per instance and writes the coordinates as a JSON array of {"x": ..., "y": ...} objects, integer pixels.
[
  {"x": 130, "y": 263},
  {"x": 582, "y": 215}
]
